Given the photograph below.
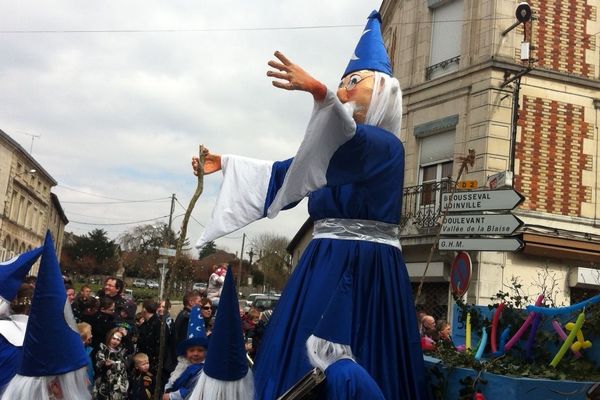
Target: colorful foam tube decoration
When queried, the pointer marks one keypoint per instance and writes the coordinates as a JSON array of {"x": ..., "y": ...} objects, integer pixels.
[
  {"x": 497, "y": 313},
  {"x": 534, "y": 328},
  {"x": 484, "y": 336},
  {"x": 503, "y": 339},
  {"x": 523, "y": 327},
  {"x": 468, "y": 333},
  {"x": 559, "y": 330},
  {"x": 564, "y": 310},
  {"x": 580, "y": 343},
  {"x": 568, "y": 341}
]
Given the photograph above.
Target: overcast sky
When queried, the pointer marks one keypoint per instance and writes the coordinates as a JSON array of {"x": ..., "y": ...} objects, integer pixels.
[{"x": 121, "y": 93}]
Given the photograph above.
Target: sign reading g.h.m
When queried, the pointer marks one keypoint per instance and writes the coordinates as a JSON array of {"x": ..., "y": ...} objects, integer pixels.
[{"x": 475, "y": 229}]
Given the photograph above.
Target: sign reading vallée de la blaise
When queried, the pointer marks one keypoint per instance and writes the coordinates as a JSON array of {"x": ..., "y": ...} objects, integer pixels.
[{"x": 471, "y": 229}]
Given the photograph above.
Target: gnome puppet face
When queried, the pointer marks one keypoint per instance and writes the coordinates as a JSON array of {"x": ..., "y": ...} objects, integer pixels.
[{"x": 355, "y": 92}]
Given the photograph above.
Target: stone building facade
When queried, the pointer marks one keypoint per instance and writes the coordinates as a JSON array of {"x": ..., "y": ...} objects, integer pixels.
[
  {"x": 28, "y": 208},
  {"x": 453, "y": 59}
]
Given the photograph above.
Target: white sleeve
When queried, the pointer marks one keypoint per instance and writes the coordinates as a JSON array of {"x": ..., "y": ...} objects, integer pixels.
[
  {"x": 242, "y": 196},
  {"x": 330, "y": 126},
  {"x": 175, "y": 396}
]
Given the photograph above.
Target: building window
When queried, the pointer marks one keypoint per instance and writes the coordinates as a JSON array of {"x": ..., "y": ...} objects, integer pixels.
[
  {"x": 14, "y": 209},
  {"x": 28, "y": 215},
  {"x": 436, "y": 155},
  {"x": 436, "y": 179},
  {"x": 40, "y": 228},
  {"x": 21, "y": 211},
  {"x": 446, "y": 31}
]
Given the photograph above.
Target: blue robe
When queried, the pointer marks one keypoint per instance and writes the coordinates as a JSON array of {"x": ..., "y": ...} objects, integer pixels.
[
  {"x": 364, "y": 181},
  {"x": 187, "y": 380},
  {"x": 346, "y": 380},
  {"x": 10, "y": 361}
]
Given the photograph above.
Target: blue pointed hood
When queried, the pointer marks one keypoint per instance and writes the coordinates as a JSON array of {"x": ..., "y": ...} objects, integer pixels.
[
  {"x": 226, "y": 360},
  {"x": 370, "y": 52},
  {"x": 14, "y": 270},
  {"x": 336, "y": 323},
  {"x": 52, "y": 344},
  {"x": 196, "y": 334}
]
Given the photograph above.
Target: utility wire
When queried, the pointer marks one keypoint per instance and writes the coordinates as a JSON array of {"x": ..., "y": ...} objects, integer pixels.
[
  {"x": 118, "y": 223},
  {"x": 117, "y": 202},
  {"x": 106, "y": 197},
  {"x": 269, "y": 28},
  {"x": 90, "y": 216},
  {"x": 185, "y": 209}
]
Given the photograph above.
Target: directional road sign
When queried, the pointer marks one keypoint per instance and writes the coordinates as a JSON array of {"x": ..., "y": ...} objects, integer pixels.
[
  {"x": 482, "y": 200},
  {"x": 164, "y": 251},
  {"x": 480, "y": 224},
  {"x": 504, "y": 244},
  {"x": 162, "y": 261}
]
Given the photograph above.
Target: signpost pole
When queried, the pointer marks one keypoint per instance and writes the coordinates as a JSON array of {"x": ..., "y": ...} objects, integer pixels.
[{"x": 467, "y": 161}]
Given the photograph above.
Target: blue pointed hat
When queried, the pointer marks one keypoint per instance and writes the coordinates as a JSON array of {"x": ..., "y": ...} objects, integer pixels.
[
  {"x": 52, "y": 344},
  {"x": 13, "y": 271},
  {"x": 336, "y": 322},
  {"x": 226, "y": 360},
  {"x": 370, "y": 52},
  {"x": 196, "y": 334}
]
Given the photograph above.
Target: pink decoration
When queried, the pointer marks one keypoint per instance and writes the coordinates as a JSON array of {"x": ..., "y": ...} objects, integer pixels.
[{"x": 523, "y": 327}]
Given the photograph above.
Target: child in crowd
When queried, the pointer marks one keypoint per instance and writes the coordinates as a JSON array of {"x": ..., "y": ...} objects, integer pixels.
[
  {"x": 111, "y": 382},
  {"x": 85, "y": 331},
  {"x": 182, "y": 382},
  {"x": 141, "y": 384}
]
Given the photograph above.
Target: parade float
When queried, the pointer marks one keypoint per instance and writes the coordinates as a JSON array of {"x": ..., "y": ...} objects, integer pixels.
[{"x": 511, "y": 350}]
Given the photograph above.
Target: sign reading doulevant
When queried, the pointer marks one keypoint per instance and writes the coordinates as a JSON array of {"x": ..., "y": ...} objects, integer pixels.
[
  {"x": 482, "y": 200},
  {"x": 460, "y": 273},
  {"x": 480, "y": 224}
]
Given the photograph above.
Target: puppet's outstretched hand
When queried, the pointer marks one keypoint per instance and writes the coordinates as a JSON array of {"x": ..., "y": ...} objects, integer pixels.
[
  {"x": 296, "y": 77},
  {"x": 212, "y": 163}
]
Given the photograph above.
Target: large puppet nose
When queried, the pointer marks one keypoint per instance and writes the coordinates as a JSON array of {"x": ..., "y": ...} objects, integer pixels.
[{"x": 342, "y": 94}]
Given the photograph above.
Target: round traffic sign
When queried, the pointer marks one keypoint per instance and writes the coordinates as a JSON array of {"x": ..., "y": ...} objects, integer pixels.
[{"x": 460, "y": 273}]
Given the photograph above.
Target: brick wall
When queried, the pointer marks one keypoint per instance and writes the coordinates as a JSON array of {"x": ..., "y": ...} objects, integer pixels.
[
  {"x": 560, "y": 37},
  {"x": 551, "y": 158}
]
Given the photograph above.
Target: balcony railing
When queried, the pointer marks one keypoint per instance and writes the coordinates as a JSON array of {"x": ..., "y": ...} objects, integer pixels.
[{"x": 422, "y": 207}]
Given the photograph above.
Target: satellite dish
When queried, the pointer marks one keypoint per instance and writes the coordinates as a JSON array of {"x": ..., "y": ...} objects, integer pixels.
[{"x": 523, "y": 12}]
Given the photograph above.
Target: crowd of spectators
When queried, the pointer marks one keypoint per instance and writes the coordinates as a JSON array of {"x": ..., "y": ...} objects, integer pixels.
[
  {"x": 433, "y": 332},
  {"x": 124, "y": 346}
]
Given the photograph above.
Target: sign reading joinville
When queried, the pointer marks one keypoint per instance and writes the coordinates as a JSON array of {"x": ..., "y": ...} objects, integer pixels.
[{"x": 481, "y": 231}]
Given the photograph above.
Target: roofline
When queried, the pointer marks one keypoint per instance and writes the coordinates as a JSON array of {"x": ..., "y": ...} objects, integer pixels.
[
  {"x": 28, "y": 156},
  {"x": 307, "y": 225},
  {"x": 59, "y": 208}
]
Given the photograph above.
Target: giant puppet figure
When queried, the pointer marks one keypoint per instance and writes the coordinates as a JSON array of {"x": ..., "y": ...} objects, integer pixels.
[{"x": 350, "y": 165}]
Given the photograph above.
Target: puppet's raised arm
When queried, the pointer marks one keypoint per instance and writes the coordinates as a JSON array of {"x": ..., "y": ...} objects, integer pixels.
[
  {"x": 248, "y": 188},
  {"x": 296, "y": 77}
]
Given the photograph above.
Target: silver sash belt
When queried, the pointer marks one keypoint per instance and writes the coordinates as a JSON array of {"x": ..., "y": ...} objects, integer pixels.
[{"x": 357, "y": 229}]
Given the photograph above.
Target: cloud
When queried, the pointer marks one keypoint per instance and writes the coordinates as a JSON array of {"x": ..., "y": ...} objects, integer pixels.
[{"x": 121, "y": 110}]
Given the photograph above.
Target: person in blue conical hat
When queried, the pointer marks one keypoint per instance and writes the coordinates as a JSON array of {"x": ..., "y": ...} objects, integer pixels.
[
  {"x": 54, "y": 359},
  {"x": 12, "y": 273},
  {"x": 350, "y": 165},
  {"x": 15, "y": 300},
  {"x": 328, "y": 348},
  {"x": 226, "y": 375},
  {"x": 183, "y": 380}
]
